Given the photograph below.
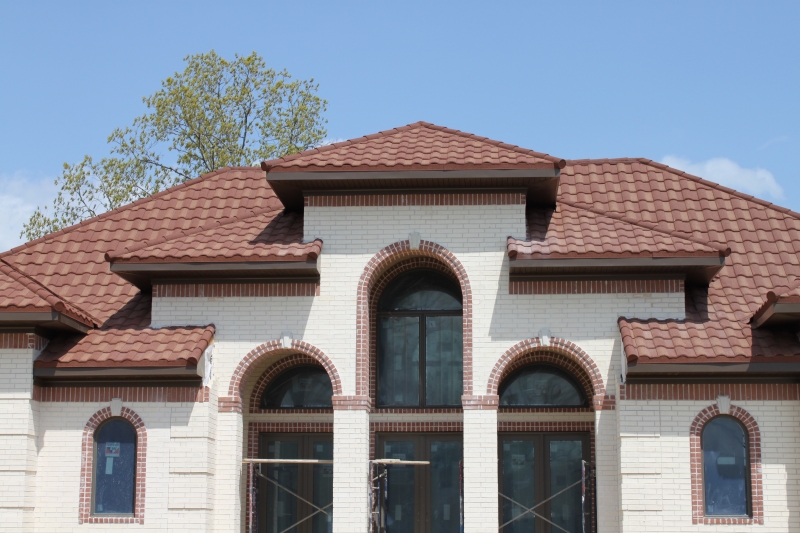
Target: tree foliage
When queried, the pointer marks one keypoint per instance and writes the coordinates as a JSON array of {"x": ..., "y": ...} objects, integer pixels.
[{"x": 215, "y": 113}]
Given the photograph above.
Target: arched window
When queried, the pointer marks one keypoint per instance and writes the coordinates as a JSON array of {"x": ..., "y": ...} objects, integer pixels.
[
  {"x": 299, "y": 387},
  {"x": 541, "y": 386},
  {"x": 726, "y": 468},
  {"x": 420, "y": 341},
  {"x": 114, "y": 486}
]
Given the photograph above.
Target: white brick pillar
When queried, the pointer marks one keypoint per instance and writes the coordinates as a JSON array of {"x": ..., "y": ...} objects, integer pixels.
[
  {"x": 18, "y": 436},
  {"x": 607, "y": 469},
  {"x": 230, "y": 484},
  {"x": 350, "y": 465},
  {"x": 480, "y": 464}
]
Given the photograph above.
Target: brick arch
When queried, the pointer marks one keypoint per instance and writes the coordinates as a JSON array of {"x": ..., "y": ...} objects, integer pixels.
[
  {"x": 87, "y": 466},
  {"x": 587, "y": 372},
  {"x": 380, "y": 269},
  {"x": 235, "y": 400},
  {"x": 696, "y": 461},
  {"x": 276, "y": 369}
]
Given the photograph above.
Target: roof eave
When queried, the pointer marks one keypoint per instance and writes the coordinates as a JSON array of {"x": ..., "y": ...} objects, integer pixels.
[
  {"x": 694, "y": 268},
  {"x": 779, "y": 314},
  {"x": 49, "y": 320},
  {"x": 142, "y": 275}
]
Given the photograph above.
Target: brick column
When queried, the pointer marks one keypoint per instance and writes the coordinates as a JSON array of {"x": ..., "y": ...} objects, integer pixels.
[
  {"x": 351, "y": 464},
  {"x": 480, "y": 464},
  {"x": 18, "y": 452},
  {"x": 230, "y": 485}
]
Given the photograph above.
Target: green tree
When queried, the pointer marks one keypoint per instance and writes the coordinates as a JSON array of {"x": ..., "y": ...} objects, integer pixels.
[{"x": 215, "y": 113}]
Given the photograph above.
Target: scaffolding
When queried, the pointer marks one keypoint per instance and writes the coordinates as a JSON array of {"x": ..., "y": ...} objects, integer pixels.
[{"x": 379, "y": 494}]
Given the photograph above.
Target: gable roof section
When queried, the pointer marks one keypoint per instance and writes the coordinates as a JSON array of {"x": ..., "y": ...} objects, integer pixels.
[
  {"x": 764, "y": 241},
  {"x": 418, "y": 146},
  {"x": 21, "y": 294},
  {"x": 71, "y": 263},
  {"x": 570, "y": 231},
  {"x": 127, "y": 341},
  {"x": 264, "y": 236}
]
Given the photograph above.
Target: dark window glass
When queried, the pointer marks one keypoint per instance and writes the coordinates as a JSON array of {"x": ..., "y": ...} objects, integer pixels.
[
  {"x": 114, "y": 468},
  {"x": 420, "y": 349},
  {"x": 541, "y": 386},
  {"x": 725, "y": 467},
  {"x": 421, "y": 290},
  {"x": 304, "y": 386}
]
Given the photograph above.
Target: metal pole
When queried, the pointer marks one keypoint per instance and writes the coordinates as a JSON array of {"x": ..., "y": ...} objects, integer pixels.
[{"x": 251, "y": 505}]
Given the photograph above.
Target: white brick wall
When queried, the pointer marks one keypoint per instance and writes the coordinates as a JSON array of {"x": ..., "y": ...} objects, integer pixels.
[{"x": 656, "y": 481}]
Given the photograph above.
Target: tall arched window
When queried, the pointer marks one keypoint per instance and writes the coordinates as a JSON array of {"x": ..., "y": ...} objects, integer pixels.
[
  {"x": 114, "y": 483},
  {"x": 420, "y": 341},
  {"x": 299, "y": 387},
  {"x": 726, "y": 468},
  {"x": 541, "y": 386}
]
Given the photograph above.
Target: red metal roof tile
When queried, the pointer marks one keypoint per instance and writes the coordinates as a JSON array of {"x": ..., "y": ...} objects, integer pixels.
[
  {"x": 418, "y": 146},
  {"x": 583, "y": 231},
  {"x": 127, "y": 340},
  {"x": 266, "y": 236}
]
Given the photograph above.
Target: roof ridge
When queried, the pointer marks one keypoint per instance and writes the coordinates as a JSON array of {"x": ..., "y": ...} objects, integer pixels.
[
  {"x": 415, "y": 125},
  {"x": 698, "y": 179},
  {"x": 647, "y": 225},
  {"x": 46, "y": 294},
  {"x": 177, "y": 234},
  {"x": 122, "y": 208}
]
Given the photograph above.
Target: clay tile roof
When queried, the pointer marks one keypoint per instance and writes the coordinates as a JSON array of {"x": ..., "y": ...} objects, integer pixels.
[
  {"x": 71, "y": 263},
  {"x": 572, "y": 230},
  {"x": 787, "y": 296},
  {"x": 23, "y": 294},
  {"x": 418, "y": 146},
  {"x": 717, "y": 341},
  {"x": 265, "y": 236},
  {"x": 127, "y": 340}
]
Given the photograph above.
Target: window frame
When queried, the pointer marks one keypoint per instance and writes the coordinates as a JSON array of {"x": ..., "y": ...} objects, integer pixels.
[
  {"x": 92, "y": 504},
  {"x": 747, "y": 470},
  {"x": 568, "y": 376},
  {"x": 294, "y": 368}
]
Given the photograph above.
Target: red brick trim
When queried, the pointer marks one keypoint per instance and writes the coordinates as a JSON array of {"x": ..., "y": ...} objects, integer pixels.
[
  {"x": 710, "y": 391},
  {"x": 416, "y": 198},
  {"x": 696, "y": 461},
  {"x": 234, "y": 401},
  {"x": 233, "y": 289},
  {"x": 173, "y": 394},
  {"x": 22, "y": 341},
  {"x": 87, "y": 464},
  {"x": 559, "y": 352},
  {"x": 380, "y": 269},
  {"x": 595, "y": 286},
  {"x": 274, "y": 371}
]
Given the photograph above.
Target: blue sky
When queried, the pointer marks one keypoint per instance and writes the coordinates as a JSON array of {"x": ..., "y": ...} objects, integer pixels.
[{"x": 711, "y": 87}]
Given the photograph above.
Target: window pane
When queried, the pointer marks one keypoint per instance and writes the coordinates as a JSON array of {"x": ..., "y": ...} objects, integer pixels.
[
  {"x": 323, "y": 488},
  {"x": 443, "y": 355},
  {"x": 565, "y": 469},
  {"x": 299, "y": 387},
  {"x": 281, "y": 506},
  {"x": 398, "y": 365},
  {"x": 445, "y": 489},
  {"x": 725, "y": 467},
  {"x": 518, "y": 484},
  {"x": 115, "y": 468},
  {"x": 540, "y": 386},
  {"x": 400, "y": 512},
  {"x": 421, "y": 290}
]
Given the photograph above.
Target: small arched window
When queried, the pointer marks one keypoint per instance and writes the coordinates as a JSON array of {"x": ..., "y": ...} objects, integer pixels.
[
  {"x": 541, "y": 386},
  {"x": 420, "y": 349},
  {"x": 114, "y": 484},
  {"x": 726, "y": 467},
  {"x": 299, "y": 387}
]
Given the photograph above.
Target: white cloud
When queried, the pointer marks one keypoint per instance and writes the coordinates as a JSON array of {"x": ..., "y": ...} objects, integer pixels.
[
  {"x": 20, "y": 194},
  {"x": 756, "y": 181}
]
